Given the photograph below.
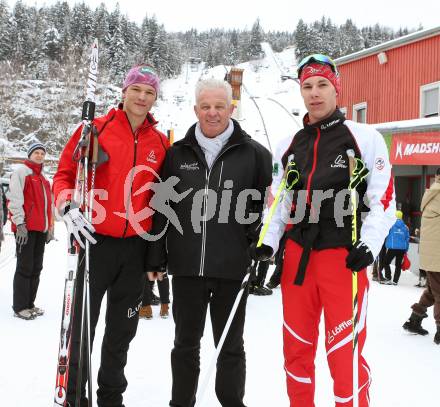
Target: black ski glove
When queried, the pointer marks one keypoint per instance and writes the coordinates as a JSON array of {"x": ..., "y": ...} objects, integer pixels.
[
  {"x": 262, "y": 253},
  {"x": 359, "y": 257}
]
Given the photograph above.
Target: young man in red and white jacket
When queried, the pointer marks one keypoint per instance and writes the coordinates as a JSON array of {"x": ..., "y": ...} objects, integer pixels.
[
  {"x": 319, "y": 255},
  {"x": 30, "y": 207},
  {"x": 135, "y": 150}
]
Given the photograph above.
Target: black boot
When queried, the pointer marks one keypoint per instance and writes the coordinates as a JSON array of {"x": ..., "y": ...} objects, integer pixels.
[
  {"x": 437, "y": 336},
  {"x": 414, "y": 324},
  {"x": 260, "y": 290}
]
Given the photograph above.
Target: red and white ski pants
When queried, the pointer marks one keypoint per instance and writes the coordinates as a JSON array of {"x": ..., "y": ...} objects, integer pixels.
[{"x": 327, "y": 286}]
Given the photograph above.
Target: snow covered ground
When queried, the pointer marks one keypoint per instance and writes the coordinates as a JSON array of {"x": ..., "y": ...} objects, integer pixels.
[{"x": 405, "y": 368}]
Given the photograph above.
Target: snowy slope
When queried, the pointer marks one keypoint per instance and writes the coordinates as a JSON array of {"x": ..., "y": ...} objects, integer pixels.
[{"x": 262, "y": 87}]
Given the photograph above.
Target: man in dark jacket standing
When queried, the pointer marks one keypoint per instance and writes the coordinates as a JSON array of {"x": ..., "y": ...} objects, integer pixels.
[
  {"x": 30, "y": 205},
  {"x": 225, "y": 175}
]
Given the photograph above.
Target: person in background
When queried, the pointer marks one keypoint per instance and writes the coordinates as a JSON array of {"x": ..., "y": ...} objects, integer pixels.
[
  {"x": 397, "y": 244},
  {"x": 422, "y": 273},
  {"x": 320, "y": 257},
  {"x": 149, "y": 298},
  {"x": 128, "y": 135},
  {"x": 257, "y": 287},
  {"x": 429, "y": 252},
  {"x": 378, "y": 265},
  {"x": 31, "y": 208}
]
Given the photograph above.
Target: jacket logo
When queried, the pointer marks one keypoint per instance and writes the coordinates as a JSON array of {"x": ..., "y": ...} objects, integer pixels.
[
  {"x": 339, "y": 162},
  {"x": 190, "y": 167},
  {"x": 380, "y": 163},
  {"x": 327, "y": 125},
  {"x": 152, "y": 157}
]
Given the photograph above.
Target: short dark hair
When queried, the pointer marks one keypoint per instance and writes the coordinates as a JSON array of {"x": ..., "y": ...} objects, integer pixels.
[{"x": 438, "y": 171}]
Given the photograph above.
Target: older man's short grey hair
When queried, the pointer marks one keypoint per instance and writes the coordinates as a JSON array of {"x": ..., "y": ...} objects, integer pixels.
[{"x": 211, "y": 84}]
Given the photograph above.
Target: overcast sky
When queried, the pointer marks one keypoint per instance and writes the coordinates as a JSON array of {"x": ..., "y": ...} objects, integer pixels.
[{"x": 180, "y": 15}]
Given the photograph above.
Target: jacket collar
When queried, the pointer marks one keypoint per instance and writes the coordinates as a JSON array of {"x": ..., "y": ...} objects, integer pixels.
[
  {"x": 328, "y": 124},
  {"x": 36, "y": 168},
  {"x": 238, "y": 136}
]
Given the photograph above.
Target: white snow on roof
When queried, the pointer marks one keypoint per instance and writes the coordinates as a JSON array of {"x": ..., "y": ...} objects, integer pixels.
[{"x": 423, "y": 124}]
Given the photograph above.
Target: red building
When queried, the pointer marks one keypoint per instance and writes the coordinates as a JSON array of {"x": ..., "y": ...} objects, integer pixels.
[{"x": 396, "y": 87}]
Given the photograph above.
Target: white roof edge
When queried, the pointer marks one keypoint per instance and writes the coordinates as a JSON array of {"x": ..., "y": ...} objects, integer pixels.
[
  {"x": 404, "y": 126},
  {"x": 397, "y": 42}
]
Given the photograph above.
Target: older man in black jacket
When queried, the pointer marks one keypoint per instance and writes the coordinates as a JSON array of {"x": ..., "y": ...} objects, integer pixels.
[{"x": 224, "y": 175}]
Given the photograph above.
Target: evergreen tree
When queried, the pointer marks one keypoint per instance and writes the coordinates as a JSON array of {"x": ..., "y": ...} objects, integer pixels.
[
  {"x": 116, "y": 53},
  {"x": 81, "y": 28},
  {"x": 232, "y": 52},
  {"x": 59, "y": 16},
  {"x": 101, "y": 24},
  {"x": 301, "y": 40},
  {"x": 22, "y": 30},
  {"x": 256, "y": 37},
  {"x": 52, "y": 45},
  {"x": 352, "y": 40},
  {"x": 6, "y": 30}
]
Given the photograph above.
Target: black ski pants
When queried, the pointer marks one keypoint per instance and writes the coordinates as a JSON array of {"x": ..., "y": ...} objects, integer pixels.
[
  {"x": 28, "y": 270},
  {"x": 117, "y": 267},
  {"x": 191, "y": 296},
  {"x": 389, "y": 256},
  {"x": 164, "y": 291},
  {"x": 378, "y": 264}
]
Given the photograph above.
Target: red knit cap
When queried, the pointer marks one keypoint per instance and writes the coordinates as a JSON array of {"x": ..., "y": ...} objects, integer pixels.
[{"x": 315, "y": 69}]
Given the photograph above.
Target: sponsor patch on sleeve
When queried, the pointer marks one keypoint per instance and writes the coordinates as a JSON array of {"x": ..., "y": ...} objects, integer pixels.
[{"x": 379, "y": 163}]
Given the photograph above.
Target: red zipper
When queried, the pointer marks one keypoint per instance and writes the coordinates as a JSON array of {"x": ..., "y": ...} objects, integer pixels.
[{"x": 315, "y": 154}]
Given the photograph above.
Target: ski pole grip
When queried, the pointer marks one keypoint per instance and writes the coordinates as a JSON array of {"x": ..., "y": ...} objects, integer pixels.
[
  {"x": 95, "y": 145},
  {"x": 88, "y": 110}
]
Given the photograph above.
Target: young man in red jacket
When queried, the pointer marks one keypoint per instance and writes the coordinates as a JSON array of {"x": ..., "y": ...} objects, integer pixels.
[
  {"x": 30, "y": 206},
  {"x": 135, "y": 151}
]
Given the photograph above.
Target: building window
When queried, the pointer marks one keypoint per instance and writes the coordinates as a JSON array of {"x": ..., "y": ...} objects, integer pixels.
[
  {"x": 360, "y": 112},
  {"x": 430, "y": 100}
]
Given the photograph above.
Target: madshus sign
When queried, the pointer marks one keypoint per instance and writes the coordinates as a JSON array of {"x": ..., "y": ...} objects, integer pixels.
[{"x": 415, "y": 149}]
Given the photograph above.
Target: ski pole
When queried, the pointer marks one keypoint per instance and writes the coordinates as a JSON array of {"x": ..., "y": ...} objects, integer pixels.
[
  {"x": 354, "y": 281},
  {"x": 218, "y": 349},
  {"x": 88, "y": 113},
  {"x": 294, "y": 174}
]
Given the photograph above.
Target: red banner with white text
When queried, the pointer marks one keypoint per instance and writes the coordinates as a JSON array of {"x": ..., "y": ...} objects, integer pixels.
[{"x": 415, "y": 149}]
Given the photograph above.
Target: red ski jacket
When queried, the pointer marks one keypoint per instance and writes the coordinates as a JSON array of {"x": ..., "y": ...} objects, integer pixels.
[
  {"x": 29, "y": 198},
  {"x": 133, "y": 160}
]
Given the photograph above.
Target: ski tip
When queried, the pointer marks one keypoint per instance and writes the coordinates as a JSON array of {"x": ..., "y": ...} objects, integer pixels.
[{"x": 350, "y": 153}]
